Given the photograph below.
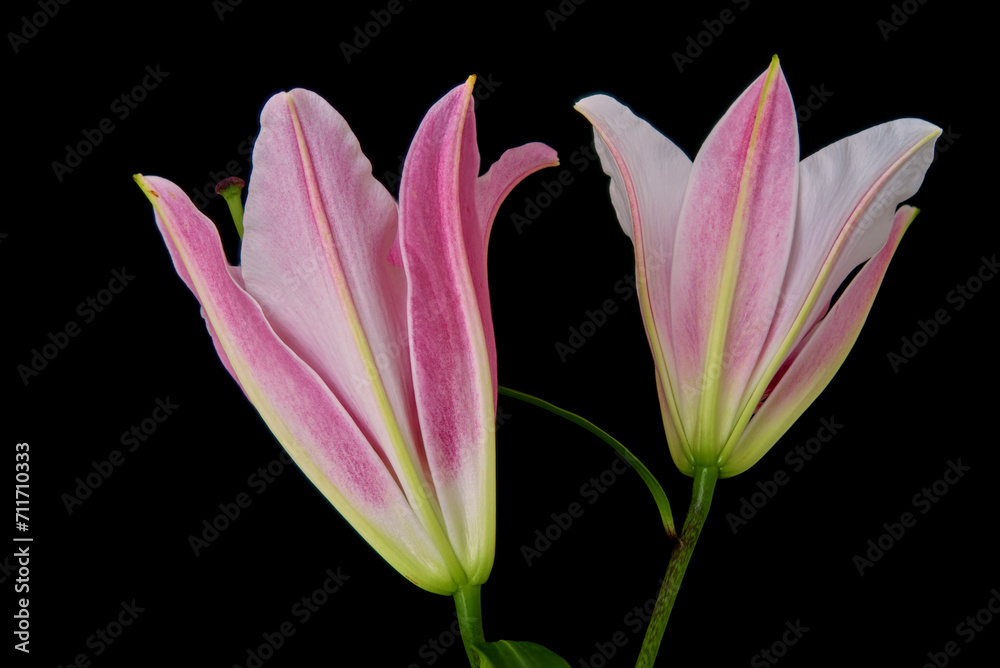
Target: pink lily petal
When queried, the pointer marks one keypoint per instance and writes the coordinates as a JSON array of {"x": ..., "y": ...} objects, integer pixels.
[
  {"x": 735, "y": 230},
  {"x": 824, "y": 351},
  {"x": 491, "y": 189},
  {"x": 445, "y": 216},
  {"x": 294, "y": 401},
  {"x": 318, "y": 228},
  {"x": 649, "y": 175},
  {"x": 872, "y": 172},
  {"x": 848, "y": 193},
  {"x": 318, "y": 231}
]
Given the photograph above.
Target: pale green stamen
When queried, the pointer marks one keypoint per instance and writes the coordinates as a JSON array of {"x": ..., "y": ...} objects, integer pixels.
[{"x": 231, "y": 188}]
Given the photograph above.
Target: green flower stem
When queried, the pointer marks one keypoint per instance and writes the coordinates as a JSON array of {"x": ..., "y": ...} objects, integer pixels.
[
  {"x": 701, "y": 499},
  {"x": 468, "y": 605},
  {"x": 662, "y": 504}
]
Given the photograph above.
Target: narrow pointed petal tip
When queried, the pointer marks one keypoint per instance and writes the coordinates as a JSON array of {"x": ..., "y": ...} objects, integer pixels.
[{"x": 140, "y": 180}]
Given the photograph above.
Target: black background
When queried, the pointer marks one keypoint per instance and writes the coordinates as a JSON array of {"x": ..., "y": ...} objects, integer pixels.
[{"x": 792, "y": 562}]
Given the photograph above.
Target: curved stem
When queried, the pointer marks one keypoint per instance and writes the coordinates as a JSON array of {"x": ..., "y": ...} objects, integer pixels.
[
  {"x": 701, "y": 499},
  {"x": 659, "y": 496},
  {"x": 468, "y": 605}
]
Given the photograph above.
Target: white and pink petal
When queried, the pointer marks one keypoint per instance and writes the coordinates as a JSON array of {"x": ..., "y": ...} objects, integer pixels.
[
  {"x": 735, "y": 230},
  {"x": 450, "y": 360},
  {"x": 491, "y": 189},
  {"x": 822, "y": 353},
  {"x": 649, "y": 176},
  {"x": 297, "y": 405},
  {"x": 848, "y": 194}
]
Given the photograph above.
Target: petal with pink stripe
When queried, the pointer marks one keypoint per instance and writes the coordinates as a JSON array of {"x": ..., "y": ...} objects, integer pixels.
[
  {"x": 297, "y": 405},
  {"x": 735, "y": 230},
  {"x": 446, "y": 211},
  {"x": 824, "y": 350},
  {"x": 649, "y": 176}
]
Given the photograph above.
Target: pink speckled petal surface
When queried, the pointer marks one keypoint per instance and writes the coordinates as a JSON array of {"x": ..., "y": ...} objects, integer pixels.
[{"x": 293, "y": 400}]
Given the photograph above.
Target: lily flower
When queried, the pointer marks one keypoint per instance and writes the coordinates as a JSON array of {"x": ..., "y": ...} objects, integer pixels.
[
  {"x": 360, "y": 328},
  {"x": 739, "y": 253}
]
